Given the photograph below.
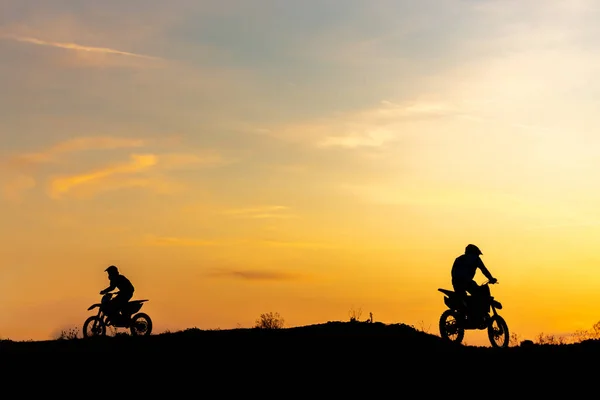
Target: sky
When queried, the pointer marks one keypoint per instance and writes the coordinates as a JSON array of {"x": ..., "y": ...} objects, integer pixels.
[{"x": 235, "y": 158}]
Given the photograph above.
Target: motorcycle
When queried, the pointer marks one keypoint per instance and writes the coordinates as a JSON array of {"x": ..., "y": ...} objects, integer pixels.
[
  {"x": 461, "y": 316},
  {"x": 139, "y": 324}
]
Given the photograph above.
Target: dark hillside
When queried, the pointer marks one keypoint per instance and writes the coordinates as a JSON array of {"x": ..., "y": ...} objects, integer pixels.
[
  {"x": 342, "y": 337},
  {"x": 342, "y": 352},
  {"x": 359, "y": 339}
]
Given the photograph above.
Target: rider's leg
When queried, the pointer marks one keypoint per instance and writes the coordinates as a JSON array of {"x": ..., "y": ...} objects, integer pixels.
[
  {"x": 121, "y": 301},
  {"x": 478, "y": 301},
  {"x": 472, "y": 287},
  {"x": 117, "y": 304},
  {"x": 110, "y": 311},
  {"x": 460, "y": 288}
]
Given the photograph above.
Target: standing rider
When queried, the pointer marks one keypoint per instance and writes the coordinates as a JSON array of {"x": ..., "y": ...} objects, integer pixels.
[
  {"x": 125, "y": 293},
  {"x": 463, "y": 271}
]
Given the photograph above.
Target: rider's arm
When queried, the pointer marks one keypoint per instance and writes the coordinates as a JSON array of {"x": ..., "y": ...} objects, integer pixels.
[
  {"x": 484, "y": 270},
  {"x": 108, "y": 289}
]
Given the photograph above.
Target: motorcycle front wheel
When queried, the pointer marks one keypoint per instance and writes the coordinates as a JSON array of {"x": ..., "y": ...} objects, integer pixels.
[
  {"x": 450, "y": 329},
  {"x": 94, "y": 326},
  {"x": 498, "y": 332},
  {"x": 141, "y": 325}
]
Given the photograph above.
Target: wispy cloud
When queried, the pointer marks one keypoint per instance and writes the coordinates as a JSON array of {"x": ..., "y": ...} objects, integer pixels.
[
  {"x": 254, "y": 275},
  {"x": 53, "y": 153},
  {"x": 62, "y": 185},
  {"x": 172, "y": 161},
  {"x": 372, "y": 127},
  {"x": 144, "y": 170},
  {"x": 19, "y": 167},
  {"x": 75, "y": 47}
]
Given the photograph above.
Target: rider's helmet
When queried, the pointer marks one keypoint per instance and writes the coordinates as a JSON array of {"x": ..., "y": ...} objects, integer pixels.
[
  {"x": 472, "y": 249},
  {"x": 112, "y": 270}
]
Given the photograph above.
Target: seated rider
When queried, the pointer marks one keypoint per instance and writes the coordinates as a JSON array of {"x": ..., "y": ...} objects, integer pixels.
[
  {"x": 125, "y": 293},
  {"x": 463, "y": 271}
]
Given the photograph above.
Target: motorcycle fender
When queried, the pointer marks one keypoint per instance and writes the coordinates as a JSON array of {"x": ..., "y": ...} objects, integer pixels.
[{"x": 447, "y": 302}]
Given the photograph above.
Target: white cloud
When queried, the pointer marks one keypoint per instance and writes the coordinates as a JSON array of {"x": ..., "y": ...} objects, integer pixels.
[{"x": 372, "y": 127}]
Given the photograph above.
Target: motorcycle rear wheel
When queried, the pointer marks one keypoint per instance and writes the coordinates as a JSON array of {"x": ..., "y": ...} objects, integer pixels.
[
  {"x": 141, "y": 325},
  {"x": 450, "y": 329},
  {"x": 498, "y": 332}
]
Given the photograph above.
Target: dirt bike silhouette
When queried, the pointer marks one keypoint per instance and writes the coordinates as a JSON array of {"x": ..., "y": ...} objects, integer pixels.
[
  {"x": 139, "y": 324},
  {"x": 459, "y": 317}
]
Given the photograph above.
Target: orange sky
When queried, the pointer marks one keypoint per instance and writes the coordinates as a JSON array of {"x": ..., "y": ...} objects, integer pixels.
[{"x": 306, "y": 158}]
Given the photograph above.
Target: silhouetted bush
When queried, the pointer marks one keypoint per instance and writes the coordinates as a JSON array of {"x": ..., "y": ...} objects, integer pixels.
[
  {"x": 354, "y": 314},
  {"x": 69, "y": 334},
  {"x": 269, "y": 321},
  {"x": 422, "y": 328},
  {"x": 575, "y": 337},
  {"x": 550, "y": 339},
  {"x": 514, "y": 339}
]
